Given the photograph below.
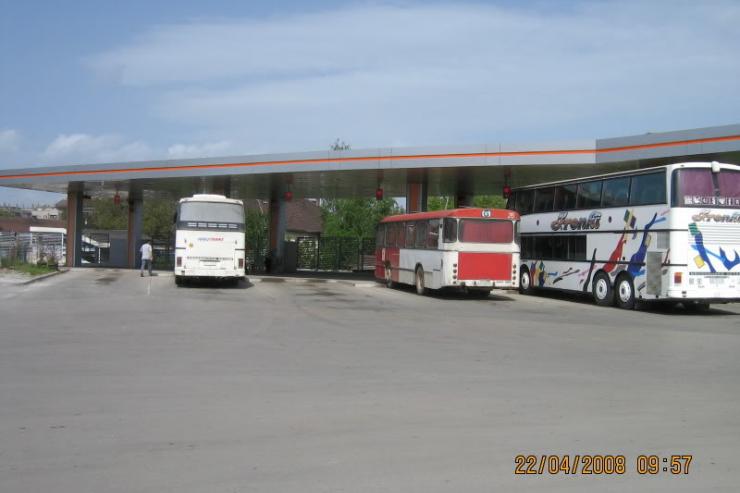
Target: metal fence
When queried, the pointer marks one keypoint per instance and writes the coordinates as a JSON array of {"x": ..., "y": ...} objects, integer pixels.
[
  {"x": 163, "y": 250},
  {"x": 331, "y": 253},
  {"x": 32, "y": 248}
]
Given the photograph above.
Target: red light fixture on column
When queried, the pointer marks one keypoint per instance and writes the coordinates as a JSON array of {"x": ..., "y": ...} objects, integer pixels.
[
  {"x": 288, "y": 196},
  {"x": 378, "y": 193},
  {"x": 507, "y": 191},
  {"x": 117, "y": 199}
]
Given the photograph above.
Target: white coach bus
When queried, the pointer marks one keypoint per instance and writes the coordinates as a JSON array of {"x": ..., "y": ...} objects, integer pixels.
[
  {"x": 209, "y": 238},
  {"x": 668, "y": 233}
]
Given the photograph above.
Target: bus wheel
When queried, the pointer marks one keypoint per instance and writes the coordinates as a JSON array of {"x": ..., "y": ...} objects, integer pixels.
[
  {"x": 625, "y": 292},
  {"x": 420, "y": 289},
  {"x": 388, "y": 276},
  {"x": 178, "y": 281},
  {"x": 602, "y": 290},
  {"x": 525, "y": 281}
]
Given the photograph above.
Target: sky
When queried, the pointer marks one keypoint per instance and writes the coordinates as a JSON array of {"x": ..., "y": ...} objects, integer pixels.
[{"x": 101, "y": 81}]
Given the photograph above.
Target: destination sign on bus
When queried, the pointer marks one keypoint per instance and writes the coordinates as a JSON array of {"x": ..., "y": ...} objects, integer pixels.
[{"x": 711, "y": 200}]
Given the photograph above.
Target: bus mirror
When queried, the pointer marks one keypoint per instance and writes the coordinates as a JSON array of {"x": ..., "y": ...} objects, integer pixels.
[{"x": 174, "y": 217}]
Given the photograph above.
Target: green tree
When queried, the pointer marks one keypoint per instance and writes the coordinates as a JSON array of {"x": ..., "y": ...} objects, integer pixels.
[
  {"x": 440, "y": 203},
  {"x": 105, "y": 214},
  {"x": 355, "y": 217},
  {"x": 489, "y": 201},
  {"x": 157, "y": 217},
  {"x": 257, "y": 224},
  {"x": 5, "y": 212}
]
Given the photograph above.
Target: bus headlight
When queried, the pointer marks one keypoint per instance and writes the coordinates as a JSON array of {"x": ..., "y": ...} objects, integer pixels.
[
  {"x": 241, "y": 263},
  {"x": 677, "y": 277}
]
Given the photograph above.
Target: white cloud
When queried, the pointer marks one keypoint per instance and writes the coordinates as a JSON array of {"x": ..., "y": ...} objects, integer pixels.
[
  {"x": 85, "y": 148},
  {"x": 9, "y": 140},
  {"x": 208, "y": 149},
  {"x": 429, "y": 74}
]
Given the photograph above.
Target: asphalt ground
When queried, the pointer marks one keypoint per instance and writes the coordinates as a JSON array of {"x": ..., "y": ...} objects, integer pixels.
[{"x": 112, "y": 382}]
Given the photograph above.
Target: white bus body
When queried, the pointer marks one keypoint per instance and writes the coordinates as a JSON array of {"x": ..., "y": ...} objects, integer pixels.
[
  {"x": 666, "y": 233},
  {"x": 209, "y": 239}
]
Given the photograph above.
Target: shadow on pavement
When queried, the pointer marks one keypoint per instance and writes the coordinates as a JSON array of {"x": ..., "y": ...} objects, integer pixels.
[
  {"x": 660, "y": 307},
  {"x": 214, "y": 283}
]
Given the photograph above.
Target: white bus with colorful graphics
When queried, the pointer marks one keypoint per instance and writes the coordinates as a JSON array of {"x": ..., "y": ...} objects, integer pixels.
[
  {"x": 473, "y": 249},
  {"x": 668, "y": 233},
  {"x": 209, "y": 238}
]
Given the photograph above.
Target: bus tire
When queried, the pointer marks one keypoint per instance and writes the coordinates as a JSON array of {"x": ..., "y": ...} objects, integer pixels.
[
  {"x": 420, "y": 289},
  {"x": 389, "y": 276},
  {"x": 601, "y": 288},
  {"x": 178, "y": 281},
  {"x": 525, "y": 281},
  {"x": 624, "y": 292}
]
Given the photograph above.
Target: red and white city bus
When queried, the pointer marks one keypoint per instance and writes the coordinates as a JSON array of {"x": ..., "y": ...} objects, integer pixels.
[{"x": 473, "y": 249}]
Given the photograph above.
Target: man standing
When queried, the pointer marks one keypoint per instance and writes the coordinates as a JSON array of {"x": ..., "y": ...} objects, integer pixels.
[{"x": 146, "y": 257}]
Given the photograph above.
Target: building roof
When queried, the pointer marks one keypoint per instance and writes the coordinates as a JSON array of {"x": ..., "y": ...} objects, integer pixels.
[
  {"x": 23, "y": 224},
  {"x": 302, "y": 215}
]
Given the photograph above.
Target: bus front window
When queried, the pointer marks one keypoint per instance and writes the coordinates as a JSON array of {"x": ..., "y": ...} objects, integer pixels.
[
  {"x": 699, "y": 187},
  {"x": 211, "y": 215}
]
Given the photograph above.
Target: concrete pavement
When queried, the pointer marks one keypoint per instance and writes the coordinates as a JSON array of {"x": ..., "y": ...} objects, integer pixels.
[{"x": 111, "y": 382}]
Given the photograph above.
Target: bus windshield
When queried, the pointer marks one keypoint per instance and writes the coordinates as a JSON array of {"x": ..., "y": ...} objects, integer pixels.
[
  {"x": 699, "y": 187},
  {"x": 211, "y": 212},
  {"x": 486, "y": 231}
]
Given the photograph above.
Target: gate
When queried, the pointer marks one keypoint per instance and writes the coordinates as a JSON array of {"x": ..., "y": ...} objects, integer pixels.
[{"x": 335, "y": 254}]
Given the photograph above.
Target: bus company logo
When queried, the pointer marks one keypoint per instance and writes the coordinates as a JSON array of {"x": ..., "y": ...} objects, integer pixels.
[
  {"x": 210, "y": 238},
  {"x": 707, "y": 216},
  {"x": 486, "y": 213},
  {"x": 563, "y": 222}
]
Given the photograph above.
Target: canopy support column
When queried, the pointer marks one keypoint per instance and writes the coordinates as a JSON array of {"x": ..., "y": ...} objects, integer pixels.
[
  {"x": 135, "y": 227},
  {"x": 75, "y": 223}
]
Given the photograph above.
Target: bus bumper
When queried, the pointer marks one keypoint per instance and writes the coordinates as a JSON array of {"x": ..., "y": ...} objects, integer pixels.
[
  {"x": 213, "y": 273},
  {"x": 487, "y": 283}
]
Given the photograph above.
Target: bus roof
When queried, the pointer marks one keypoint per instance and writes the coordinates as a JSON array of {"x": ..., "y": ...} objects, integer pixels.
[
  {"x": 204, "y": 197},
  {"x": 468, "y": 212},
  {"x": 626, "y": 173}
]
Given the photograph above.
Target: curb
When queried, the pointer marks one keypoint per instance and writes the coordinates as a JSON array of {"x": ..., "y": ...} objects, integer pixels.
[{"x": 44, "y": 276}]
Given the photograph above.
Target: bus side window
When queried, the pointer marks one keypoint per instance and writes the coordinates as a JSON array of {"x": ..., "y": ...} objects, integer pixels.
[
  {"x": 524, "y": 201},
  {"x": 577, "y": 248},
  {"x": 433, "y": 234},
  {"x": 421, "y": 234},
  {"x": 616, "y": 192},
  {"x": 648, "y": 189},
  {"x": 511, "y": 202},
  {"x": 527, "y": 247},
  {"x": 410, "y": 234},
  {"x": 380, "y": 236},
  {"x": 559, "y": 246},
  {"x": 543, "y": 199},
  {"x": 565, "y": 197},
  {"x": 450, "y": 230},
  {"x": 589, "y": 195}
]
